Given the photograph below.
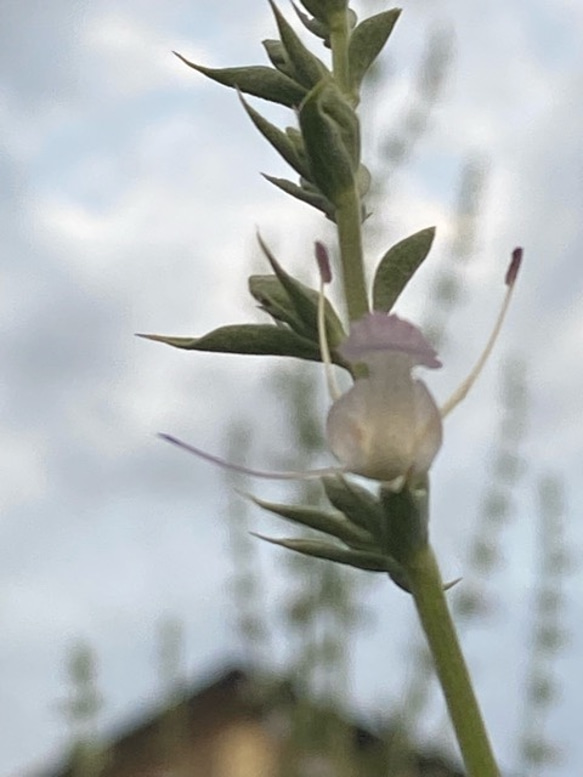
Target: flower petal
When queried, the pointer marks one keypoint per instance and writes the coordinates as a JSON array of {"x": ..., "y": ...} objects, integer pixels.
[
  {"x": 377, "y": 332},
  {"x": 429, "y": 429},
  {"x": 386, "y": 427}
]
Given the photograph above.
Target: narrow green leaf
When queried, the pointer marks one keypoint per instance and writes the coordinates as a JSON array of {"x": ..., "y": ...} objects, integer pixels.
[
  {"x": 358, "y": 504},
  {"x": 278, "y": 57},
  {"x": 315, "y": 8},
  {"x": 279, "y": 140},
  {"x": 331, "y": 161},
  {"x": 398, "y": 266},
  {"x": 258, "y": 80},
  {"x": 314, "y": 199},
  {"x": 366, "y": 43},
  {"x": 274, "y": 300},
  {"x": 305, "y": 302},
  {"x": 308, "y": 69},
  {"x": 296, "y": 138},
  {"x": 343, "y": 114},
  {"x": 316, "y": 27},
  {"x": 371, "y": 562},
  {"x": 336, "y": 524},
  {"x": 253, "y": 339}
]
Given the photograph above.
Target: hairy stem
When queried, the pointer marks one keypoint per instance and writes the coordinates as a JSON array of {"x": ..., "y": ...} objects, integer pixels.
[
  {"x": 339, "y": 37},
  {"x": 452, "y": 672},
  {"x": 348, "y": 220},
  {"x": 349, "y": 208}
]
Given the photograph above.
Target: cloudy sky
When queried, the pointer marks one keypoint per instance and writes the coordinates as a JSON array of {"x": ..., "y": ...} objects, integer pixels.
[{"x": 129, "y": 203}]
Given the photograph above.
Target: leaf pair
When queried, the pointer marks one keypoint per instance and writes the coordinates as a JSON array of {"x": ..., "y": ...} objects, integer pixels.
[
  {"x": 294, "y": 308},
  {"x": 377, "y": 535}
]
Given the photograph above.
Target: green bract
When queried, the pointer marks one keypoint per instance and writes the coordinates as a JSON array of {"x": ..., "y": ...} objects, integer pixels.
[
  {"x": 258, "y": 80},
  {"x": 377, "y": 534},
  {"x": 332, "y": 139},
  {"x": 307, "y": 69},
  {"x": 366, "y": 43},
  {"x": 305, "y": 192},
  {"x": 398, "y": 266},
  {"x": 250, "y": 339},
  {"x": 293, "y": 152},
  {"x": 335, "y": 524}
]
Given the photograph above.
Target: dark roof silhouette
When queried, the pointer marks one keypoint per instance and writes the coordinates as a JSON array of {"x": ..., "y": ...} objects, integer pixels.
[{"x": 231, "y": 696}]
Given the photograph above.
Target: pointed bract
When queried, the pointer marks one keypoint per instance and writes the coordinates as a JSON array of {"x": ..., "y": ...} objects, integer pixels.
[
  {"x": 307, "y": 68},
  {"x": 315, "y": 26},
  {"x": 258, "y": 80},
  {"x": 366, "y": 43},
  {"x": 371, "y": 562},
  {"x": 358, "y": 504},
  {"x": 335, "y": 524},
  {"x": 279, "y": 139},
  {"x": 315, "y": 199},
  {"x": 250, "y": 339},
  {"x": 305, "y": 302},
  {"x": 331, "y": 136},
  {"x": 398, "y": 266}
]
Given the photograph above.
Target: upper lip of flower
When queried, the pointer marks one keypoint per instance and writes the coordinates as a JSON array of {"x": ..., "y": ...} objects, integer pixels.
[{"x": 380, "y": 333}]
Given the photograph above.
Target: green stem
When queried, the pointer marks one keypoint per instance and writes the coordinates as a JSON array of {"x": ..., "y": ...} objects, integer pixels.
[
  {"x": 348, "y": 220},
  {"x": 349, "y": 208},
  {"x": 428, "y": 593},
  {"x": 339, "y": 37}
]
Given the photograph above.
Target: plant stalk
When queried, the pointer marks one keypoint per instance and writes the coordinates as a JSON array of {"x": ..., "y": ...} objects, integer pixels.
[
  {"x": 429, "y": 596},
  {"x": 339, "y": 37},
  {"x": 349, "y": 208},
  {"x": 348, "y": 220}
]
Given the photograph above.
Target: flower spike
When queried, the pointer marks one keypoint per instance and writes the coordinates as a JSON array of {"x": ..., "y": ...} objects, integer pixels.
[
  {"x": 462, "y": 391},
  {"x": 258, "y": 473}
]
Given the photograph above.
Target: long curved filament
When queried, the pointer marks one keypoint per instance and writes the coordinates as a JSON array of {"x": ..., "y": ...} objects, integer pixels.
[
  {"x": 258, "y": 473},
  {"x": 461, "y": 392}
]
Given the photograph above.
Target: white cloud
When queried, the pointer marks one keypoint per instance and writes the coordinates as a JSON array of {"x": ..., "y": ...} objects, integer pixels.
[
  {"x": 135, "y": 57},
  {"x": 23, "y": 460}
]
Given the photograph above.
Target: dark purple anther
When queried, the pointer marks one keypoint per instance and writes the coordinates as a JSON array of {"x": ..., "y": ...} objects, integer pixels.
[
  {"x": 323, "y": 262},
  {"x": 514, "y": 267}
]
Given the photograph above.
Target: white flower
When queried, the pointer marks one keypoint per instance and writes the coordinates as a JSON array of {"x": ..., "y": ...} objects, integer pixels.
[{"x": 387, "y": 426}]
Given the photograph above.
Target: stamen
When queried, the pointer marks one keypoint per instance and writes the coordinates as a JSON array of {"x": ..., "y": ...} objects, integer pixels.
[
  {"x": 310, "y": 475},
  {"x": 323, "y": 262},
  {"x": 461, "y": 393},
  {"x": 325, "y": 277},
  {"x": 515, "y": 262}
]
